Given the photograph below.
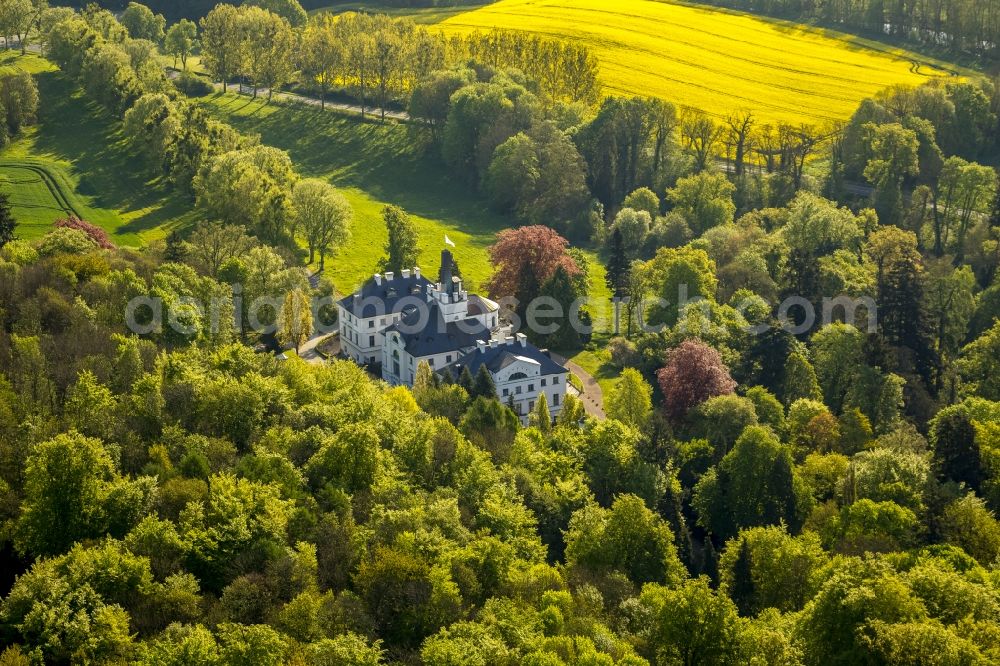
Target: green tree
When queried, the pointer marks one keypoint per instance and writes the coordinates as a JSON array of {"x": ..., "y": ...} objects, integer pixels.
[
  {"x": 894, "y": 152},
  {"x": 291, "y": 10},
  {"x": 401, "y": 249},
  {"x": 643, "y": 199},
  {"x": 800, "y": 380},
  {"x": 680, "y": 274},
  {"x": 692, "y": 624},
  {"x": 181, "y": 40},
  {"x": 220, "y": 43},
  {"x": 251, "y": 645},
  {"x": 322, "y": 214},
  {"x": 430, "y": 100},
  {"x": 295, "y": 320},
  {"x": 349, "y": 648},
  {"x": 785, "y": 572},
  {"x": 755, "y": 484},
  {"x": 979, "y": 365},
  {"x": 956, "y": 448},
  {"x": 490, "y": 426},
  {"x": 17, "y": 18},
  {"x": 142, "y": 23},
  {"x": 321, "y": 55},
  {"x": 630, "y": 401},
  {"x": 267, "y": 44},
  {"x": 967, "y": 523},
  {"x": 628, "y": 144},
  {"x": 722, "y": 419},
  {"x": 70, "y": 487},
  {"x": 8, "y": 224},
  {"x": 153, "y": 126},
  {"x": 19, "y": 96},
  {"x": 704, "y": 200},
  {"x": 249, "y": 187},
  {"x": 483, "y": 386},
  {"x": 633, "y": 226},
  {"x": 408, "y": 599},
  {"x": 617, "y": 268},
  {"x": 627, "y": 538},
  {"x": 541, "y": 418},
  {"x": 559, "y": 290},
  {"x": 858, "y": 593}
]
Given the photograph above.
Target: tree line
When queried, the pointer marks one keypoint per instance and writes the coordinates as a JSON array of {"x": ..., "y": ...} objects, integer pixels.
[
  {"x": 178, "y": 498},
  {"x": 783, "y": 498},
  {"x": 232, "y": 178},
  {"x": 960, "y": 26},
  {"x": 376, "y": 58}
]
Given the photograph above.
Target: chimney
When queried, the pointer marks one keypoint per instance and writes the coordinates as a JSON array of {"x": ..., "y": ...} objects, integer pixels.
[
  {"x": 493, "y": 344},
  {"x": 523, "y": 339},
  {"x": 508, "y": 340},
  {"x": 416, "y": 272},
  {"x": 481, "y": 346},
  {"x": 378, "y": 279},
  {"x": 388, "y": 276},
  {"x": 445, "y": 274},
  {"x": 406, "y": 273}
]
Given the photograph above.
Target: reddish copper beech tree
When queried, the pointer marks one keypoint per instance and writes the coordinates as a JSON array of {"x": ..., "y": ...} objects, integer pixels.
[
  {"x": 524, "y": 259},
  {"x": 694, "y": 373},
  {"x": 100, "y": 236}
]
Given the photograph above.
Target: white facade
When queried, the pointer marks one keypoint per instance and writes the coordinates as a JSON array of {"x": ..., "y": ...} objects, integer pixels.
[
  {"x": 521, "y": 382},
  {"x": 375, "y": 328}
]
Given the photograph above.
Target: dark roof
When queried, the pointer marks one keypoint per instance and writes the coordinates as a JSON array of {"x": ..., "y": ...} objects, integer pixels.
[
  {"x": 377, "y": 299},
  {"x": 437, "y": 336},
  {"x": 497, "y": 358}
]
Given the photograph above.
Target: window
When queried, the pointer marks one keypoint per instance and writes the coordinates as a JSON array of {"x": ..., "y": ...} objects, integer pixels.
[
  {"x": 555, "y": 380},
  {"x": 516, "y": 376},
  {"x": 381, "y": 322},
  {"x": 371, "y": 340},
  {"x": 506, "y": 392},
  {"x": 555, "y": 399},
  {"x": 517, "y": 390},
  {"x": 447, "y": 359},
  {"x": 430, "y": 362},
  {"x": 531, "y": 406},
  {"x": 371, "y": 323},
  {"x": 543, "y": 381},
  {"x": 531, "y": 387}
]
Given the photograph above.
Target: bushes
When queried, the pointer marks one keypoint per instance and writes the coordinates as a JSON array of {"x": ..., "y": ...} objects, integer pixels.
[
  {"x": 95, "y": 233},
  {"x": 193, "y": 85}
]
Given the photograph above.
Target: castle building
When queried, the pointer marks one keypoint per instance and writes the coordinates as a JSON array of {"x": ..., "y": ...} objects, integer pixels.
[{"x": 396, "y": 321}]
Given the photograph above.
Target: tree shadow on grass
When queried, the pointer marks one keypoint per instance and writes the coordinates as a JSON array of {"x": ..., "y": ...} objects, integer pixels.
[
  {"x": 75, "y": 130},
  {"x": 384, "y": 160}
]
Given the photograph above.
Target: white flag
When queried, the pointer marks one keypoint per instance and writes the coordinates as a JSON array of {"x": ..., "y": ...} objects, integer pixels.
[{"x": 448, "y": 241}]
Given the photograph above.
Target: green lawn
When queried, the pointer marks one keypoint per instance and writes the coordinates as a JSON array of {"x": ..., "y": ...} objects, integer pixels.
[
  {"x": 598, "y": 364},
  {"x": 75, "y": 159},
  {"x": 373, "y": 164}
]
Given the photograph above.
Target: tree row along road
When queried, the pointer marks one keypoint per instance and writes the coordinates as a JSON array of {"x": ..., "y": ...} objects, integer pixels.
[
  {"x": 856, "y": 189},
  {"x": 372, "y": 111}
]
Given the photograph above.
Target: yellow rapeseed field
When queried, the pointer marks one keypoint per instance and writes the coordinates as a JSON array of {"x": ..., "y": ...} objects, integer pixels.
[{"x": 714, "y": 60}]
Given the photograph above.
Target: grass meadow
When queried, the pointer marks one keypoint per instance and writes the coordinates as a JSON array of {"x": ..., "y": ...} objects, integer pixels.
[
  {"x": 707, "y": 58},
  {"x": 74, "y": 161},
  {"x": 373, "y": 164}
]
